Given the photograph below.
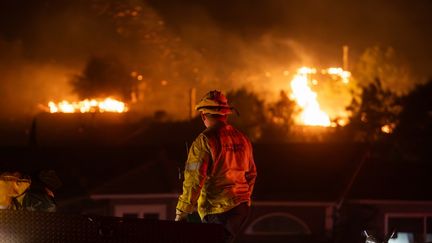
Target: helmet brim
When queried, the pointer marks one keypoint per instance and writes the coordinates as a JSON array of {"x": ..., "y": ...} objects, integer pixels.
[{"x": 216, "y": 110}]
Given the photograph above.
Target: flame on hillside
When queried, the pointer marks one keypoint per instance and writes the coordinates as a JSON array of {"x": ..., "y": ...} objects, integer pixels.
[
  {"x": 88, "y": 106},
  {"x": 307, "y": 99}
]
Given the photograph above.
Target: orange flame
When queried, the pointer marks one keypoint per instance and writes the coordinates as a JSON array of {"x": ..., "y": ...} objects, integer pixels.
[
  {"x": 86, "y": 106},
  {"x": 337, "y": 71},
  {"x": 306, "y": 98},
  {"x": 388, "y": 128}
]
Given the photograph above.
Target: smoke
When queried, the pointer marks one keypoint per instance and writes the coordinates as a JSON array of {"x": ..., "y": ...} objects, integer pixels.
[
  {"x": 52, "y": 43},
  {"x": 321, "y": 26},
  {"x": 228, "y": 60},
  {"x": 43, "y": 45},
  {"x": 178, "y": 45},
  {"x": 25, "y": 84},
  {"x": 259, "y": 44}
]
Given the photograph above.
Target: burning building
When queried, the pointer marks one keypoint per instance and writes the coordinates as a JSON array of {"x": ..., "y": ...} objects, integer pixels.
[
  {"x": 88, "y": 106},
  {"x": 307, "y": 99}
]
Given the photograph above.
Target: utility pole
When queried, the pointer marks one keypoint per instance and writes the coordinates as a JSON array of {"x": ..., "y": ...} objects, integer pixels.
[{"x": 345, "y": 57}]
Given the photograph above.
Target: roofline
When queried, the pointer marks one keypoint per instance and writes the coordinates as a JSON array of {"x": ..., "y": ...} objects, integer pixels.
[
  {"x": 134, "y": 196},
  {"x": 268, "y": 203},
  {"x": 176, "y": 195},
  {"x": 392, "y": 202},
  {"x": 293, "y": 203}
]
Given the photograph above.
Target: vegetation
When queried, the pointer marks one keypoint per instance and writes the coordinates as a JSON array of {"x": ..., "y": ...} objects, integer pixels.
[
  {"x": 377, "y": 115},
  {"x": 377, "y": 109}
]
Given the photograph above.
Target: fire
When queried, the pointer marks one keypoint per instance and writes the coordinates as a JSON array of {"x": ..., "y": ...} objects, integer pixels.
[
  {"x": 388, "y": 128},
  {"x": 306, "y": 98},
  {"x": 342, "y": 74},
  {"x": 88, "y": 105}
]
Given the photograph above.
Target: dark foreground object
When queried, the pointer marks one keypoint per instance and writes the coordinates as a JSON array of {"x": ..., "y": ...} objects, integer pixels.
[{"x": 24, "y": 226}]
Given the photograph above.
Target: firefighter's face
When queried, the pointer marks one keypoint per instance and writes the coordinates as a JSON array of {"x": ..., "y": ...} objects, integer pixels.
[{"x": 206, "y": 121}]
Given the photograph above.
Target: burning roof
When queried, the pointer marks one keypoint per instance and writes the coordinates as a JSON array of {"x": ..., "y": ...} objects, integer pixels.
[{"x": 88, "y": 106}]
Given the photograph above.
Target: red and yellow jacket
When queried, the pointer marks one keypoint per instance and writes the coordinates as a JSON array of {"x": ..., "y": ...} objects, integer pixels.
[{"x": 219, "y": 173}]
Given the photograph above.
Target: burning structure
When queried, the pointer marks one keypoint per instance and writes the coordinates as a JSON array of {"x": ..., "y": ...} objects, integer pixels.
[
  {"x": 305, "y": 89},
  {"x": 88, "y": 106},
  {"x": 311, "y": 113}
]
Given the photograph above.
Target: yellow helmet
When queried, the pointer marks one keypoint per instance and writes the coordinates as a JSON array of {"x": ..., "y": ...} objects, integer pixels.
[{"x": 214, "y": 102}]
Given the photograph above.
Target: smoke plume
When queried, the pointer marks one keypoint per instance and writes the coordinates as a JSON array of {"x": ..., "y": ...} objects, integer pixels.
[{"x": 172, "y": 46}]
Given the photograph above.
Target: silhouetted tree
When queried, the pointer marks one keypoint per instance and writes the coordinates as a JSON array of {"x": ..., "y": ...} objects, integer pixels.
[
  {"x": 103, "y": 77},
  {"x": 414, "y": 132},
  {"x": 252, "y": 112},
  {"x": 376, "y": 108},
  {"x": 282, "y": 111},
  {"x": 280, "y": 119}
]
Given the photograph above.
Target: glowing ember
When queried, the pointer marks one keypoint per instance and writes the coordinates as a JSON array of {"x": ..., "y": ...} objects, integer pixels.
[
  {"x": 311, "y": 113},
  {"x": 341, "y": 122},
  {"x": 388, "y": 128},
  {"x": 86, "y": 106}
]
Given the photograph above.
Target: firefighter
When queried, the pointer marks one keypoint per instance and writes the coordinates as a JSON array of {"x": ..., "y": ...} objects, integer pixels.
[
  {"x": 220, "y": 172},
  {"x": 40, "y": 195},
  {"x": 19, "y": 192},
  {"x": 13, "y": 187}
]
